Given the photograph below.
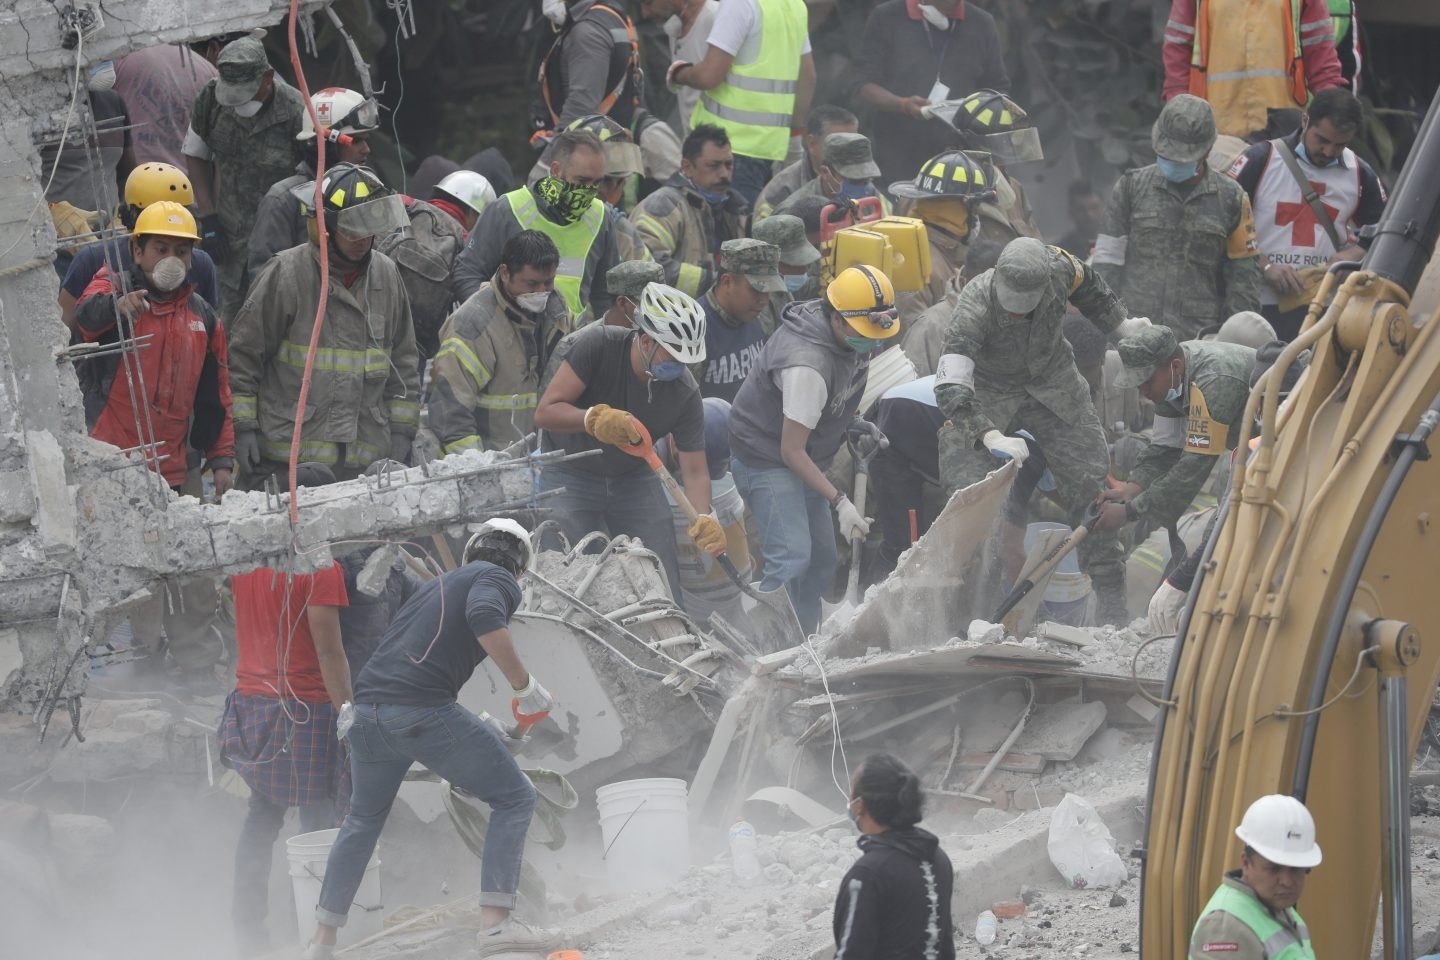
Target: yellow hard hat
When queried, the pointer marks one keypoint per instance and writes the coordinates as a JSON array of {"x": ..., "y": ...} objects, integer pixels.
[
  {"x": 865, "y": 297},
  {"x": 152, "y": 182},
  {"x": 165, "y": 218}
]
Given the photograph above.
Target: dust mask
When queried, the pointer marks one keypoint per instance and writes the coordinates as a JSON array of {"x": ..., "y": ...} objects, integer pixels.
[
  {"x": 672, "y": 27},
  {"x": 168, "y": 274},
  {"x": 934, "y": 17},
  {"x": 102, "y": 77},
  {"x": 554, "y": 11},
  {"x": 249, "y": 108},
  {"x": 533, "y": 302}
]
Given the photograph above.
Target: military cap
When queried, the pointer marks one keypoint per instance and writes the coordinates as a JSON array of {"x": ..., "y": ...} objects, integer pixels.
[
  {"x": 242, "y": 65},
  {"x": 1185, "y": 130},
  {"x": 1021, "y": 274},
  {"x": 787, "y": 233},
  {"x": 756, "y": 261},
  {"x": 629, "y": 278},
  {"x": 848, "y": 154},
  {"x": 1145, "y": 351}
]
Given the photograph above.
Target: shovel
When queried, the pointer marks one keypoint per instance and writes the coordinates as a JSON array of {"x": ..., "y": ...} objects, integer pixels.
[
  {"x": 862, "y": 449},
  {"x": 1048, "y": 563},
  {"x": 774, "y": 618}
]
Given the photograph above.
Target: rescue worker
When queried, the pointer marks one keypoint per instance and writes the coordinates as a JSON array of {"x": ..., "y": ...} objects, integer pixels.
[
  {"x": 686, "y": 25},
  {"x": 405, "y": 710},
  {"x": 624, "y": 165},
  {"x": 948, "y": 191},
  {"x": 1311, "y": 195},
  {"x": 593, "y": 67},
  {"x": 846, "y": 175},
  {"x": 611, "y": 379},
  {"x": 749, "y": 275},
  {"x": 1239, "y": 57},
  {"x": 283, "y": 745},
  {"x": 494, "y": 348},
  {"x": 147, "y": 184},
  {"x": 564, "y": 206},
  {"x": 280, "y": 218},
  {"x": 1178, "y": 242},
  {"x": 756, "y": 81},
  {"x": 685, "y": 222},
  {"x": 906, "y": 472},
  {"x": 790, "y": 419},
  {"x": 1199, "y": 389},
  {"x": 1252, "y": 914},
  {"x": 1006, "y": 367},
  {"x": 426, "y": 256},
  {"x": 464, "y": 195},
  {"x": 184, "y": 367},
  {"x": 924, "y": 340},
  {"x": 822, "y": 121},
  {"x": 364, "y": 401},
  {"x": 241, "y": 140},
  {"x": 626, "y": 283},
  {"x": 799, "y": 265}
]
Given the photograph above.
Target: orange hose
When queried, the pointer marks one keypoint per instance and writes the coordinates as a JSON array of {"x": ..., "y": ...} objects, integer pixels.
[{"x": 324, "y": 263}]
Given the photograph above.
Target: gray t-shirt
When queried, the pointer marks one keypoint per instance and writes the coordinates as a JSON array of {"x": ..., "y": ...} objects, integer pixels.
[
  {"x": 600, "y": 357},
  {"x": 75, "y": 180}
]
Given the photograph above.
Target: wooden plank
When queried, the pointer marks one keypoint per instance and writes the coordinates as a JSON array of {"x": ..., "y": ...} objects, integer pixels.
[{"x": 1012, "y": 762}]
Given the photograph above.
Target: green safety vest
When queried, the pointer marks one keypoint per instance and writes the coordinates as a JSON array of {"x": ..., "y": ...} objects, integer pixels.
[
  {"x": 1342, "y": 12},
  {"x": 755, "y": 102},
  {"x": 573, "y": 240},
  {"x": 1278, "y": 941}
]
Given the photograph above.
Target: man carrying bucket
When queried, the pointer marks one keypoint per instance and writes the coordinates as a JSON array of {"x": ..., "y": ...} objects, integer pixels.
[{"x": 405, "y": 711}]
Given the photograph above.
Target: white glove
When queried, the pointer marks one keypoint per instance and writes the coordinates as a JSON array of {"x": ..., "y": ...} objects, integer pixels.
[
  {"x": 532, "y": 699},
  {"x": 670, "y": 83},
  {"x": 1132, "y": 326},
  {"x": 852, "y": 525},
  {"x": 1165, "y": 608},
  {"x": 501, "y": 730},
  {"x": 1006, "y": 448},
  {"x": 345, "y": 721}
]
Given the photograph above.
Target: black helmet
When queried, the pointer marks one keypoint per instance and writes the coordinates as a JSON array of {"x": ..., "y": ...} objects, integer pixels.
[
  {"x": 953, "y": 173},
  {"x": 357, "y": 201}
]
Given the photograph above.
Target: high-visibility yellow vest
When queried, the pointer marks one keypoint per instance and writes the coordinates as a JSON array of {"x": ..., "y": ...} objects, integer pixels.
[
  {"x": 1259, "y": 62},
  {"x": 1278, "y": 940},
  {"x": 755, "y": 102},
  {"x": 573, "y": 240}
]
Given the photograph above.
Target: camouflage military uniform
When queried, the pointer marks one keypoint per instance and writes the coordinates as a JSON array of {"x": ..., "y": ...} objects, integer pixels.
[
  {"x": 425, "y": 256},
  {"x": 684, "y": 232},
  {"x": 1007, "y": 374},
  {"x": 1193, "y": 433},
  {"x": 250, "y": 154}
]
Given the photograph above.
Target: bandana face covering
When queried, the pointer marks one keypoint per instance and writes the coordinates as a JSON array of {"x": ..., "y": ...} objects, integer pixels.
[{"x": 568, "y": 201}]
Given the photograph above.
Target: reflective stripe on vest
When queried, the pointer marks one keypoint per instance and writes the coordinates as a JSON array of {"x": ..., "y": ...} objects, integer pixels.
[
  {"x": 573, "y": 240},
  {"x": 1279, "y": 942},
  {"x": 756, "y": 101}
]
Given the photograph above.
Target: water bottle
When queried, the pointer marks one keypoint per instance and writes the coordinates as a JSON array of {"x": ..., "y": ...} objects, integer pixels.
[
  {"x": 743, "y": 846},
  {"x": 985, "y": 925}
]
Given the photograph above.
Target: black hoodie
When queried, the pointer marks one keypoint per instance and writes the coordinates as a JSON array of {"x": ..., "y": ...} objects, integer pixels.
[{"x": 894, "y": 903}]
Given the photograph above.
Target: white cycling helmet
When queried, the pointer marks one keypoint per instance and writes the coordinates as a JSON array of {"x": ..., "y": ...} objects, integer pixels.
[
  {"x": 340, "y": 109},
  {"x": 674, "y": 319},
  {"x": 505, "y": 535},
  {"x": 467, "y": 187}
]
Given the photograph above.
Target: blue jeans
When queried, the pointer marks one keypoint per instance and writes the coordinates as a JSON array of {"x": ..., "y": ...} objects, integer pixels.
[
  {"x": 751, "y": 175},
  {"x": 633, "y": 505},
  {"x": 799, "y": 535},
  {"x": 453, "y": 743}
]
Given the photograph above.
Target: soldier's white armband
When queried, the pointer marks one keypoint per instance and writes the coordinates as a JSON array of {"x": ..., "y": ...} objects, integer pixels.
[
  {"x": 193, "y": 146},
  {"x": 1110, "y": 250},
  {"x": 956, "y": 369},
  {"x": 1168, "y": 432}
]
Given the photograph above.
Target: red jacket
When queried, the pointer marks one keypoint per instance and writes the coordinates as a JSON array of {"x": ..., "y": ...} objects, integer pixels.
[{"x": 184, "y": 369}]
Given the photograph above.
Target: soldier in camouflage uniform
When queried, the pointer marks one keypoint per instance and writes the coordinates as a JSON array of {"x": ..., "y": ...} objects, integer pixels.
[
  {"x": 1006, "y": 367},
  {"x": 1199, "y": 389},
  {"x": 241, "y": 140},
  {"x": 846, "y": 173},
  {"x": 1178, "y": 240},
  {"x": 485, "y": 380},
  {"x": 799, "y": 265}
]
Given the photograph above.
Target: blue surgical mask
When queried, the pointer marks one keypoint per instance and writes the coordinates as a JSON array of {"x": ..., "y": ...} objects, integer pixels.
[
  {"x": 667, "y": 370},
  {"x": 796, "y": 282},
  {"x": 1175, "y": 171},
  {"x": 861, "y": 344},
  {"x": 850, "y": 190},
  {"x": 710, "y": 196},
  {"x": 1304, "y": 154},
  {"x": 1174, "y": 392},
  {"x": 850, "y": 814}
]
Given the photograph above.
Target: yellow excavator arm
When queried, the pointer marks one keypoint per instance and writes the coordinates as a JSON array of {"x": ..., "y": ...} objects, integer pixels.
[{"x": 1310, "y": 647}]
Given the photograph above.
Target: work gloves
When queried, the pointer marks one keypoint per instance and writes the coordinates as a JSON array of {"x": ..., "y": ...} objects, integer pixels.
[
  {"x": 213, "y": 240},
  {"x": 400, "y": 448},
  {"x": 1166, "y": 605},
  {"x": 852, "y": 525},
  {"x": 345, "y": 720},
  {"x": 608, "y": 425},
  {"x": 1006, "y": 448},
  {"x": 501, "y": 730},
  {"x": 670, "y": 83},
  {"x": 707, "y": 534},
  {"x": 865, "y": 438},
  {"x": 531, "y": 700},
  {"x": 1132, "y": 326},
  {"x": 247, "y": 450}
]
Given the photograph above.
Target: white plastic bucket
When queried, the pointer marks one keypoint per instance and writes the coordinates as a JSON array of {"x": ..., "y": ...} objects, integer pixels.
[
  {"x": 645, "y": 828},
  {"x": 308, "y": 853},
  {"x": 1067, "y": 593}
]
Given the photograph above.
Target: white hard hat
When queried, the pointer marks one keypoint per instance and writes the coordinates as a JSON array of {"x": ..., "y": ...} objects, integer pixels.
[
  {"x": 1246, "y": 328},
  {"x": 341, "y": 109},
  {"x": 467, "y": 187},
  {"x": 1281, "y": 830},
  {"x": 515, "y": 540},
  {"x": 673, "y": 318}
]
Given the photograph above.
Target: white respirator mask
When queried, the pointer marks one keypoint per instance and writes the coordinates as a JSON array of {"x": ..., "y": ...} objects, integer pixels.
[
  {"x": 533, "y": 302},
  {"x": 554, "y": 11},
  {"x": 934, "y": 17},
  {"x": 102, "y": 77},
  {"x": 249, "y": 108},
  {"x": 168, "y": 274}
]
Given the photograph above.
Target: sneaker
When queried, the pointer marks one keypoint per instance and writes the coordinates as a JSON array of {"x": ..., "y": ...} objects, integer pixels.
[
  {"x": 318, "y": 951},
  {"x": 512, "y": 935}
]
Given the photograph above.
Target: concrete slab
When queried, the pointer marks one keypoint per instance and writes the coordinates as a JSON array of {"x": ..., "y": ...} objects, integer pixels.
[{"x": 1058, "y": 731}]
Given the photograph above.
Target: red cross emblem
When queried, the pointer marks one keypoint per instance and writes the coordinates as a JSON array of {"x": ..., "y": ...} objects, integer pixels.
[{"x": 1301, "y": 219}]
